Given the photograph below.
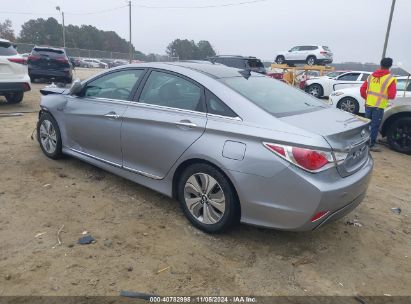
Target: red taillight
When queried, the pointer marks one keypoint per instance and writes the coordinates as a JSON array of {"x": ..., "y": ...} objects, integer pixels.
[
  {"x": 17, "y": 60},
  {"x": 309, "y": 159},
  {"x": 34, "y": 57},
  {"x": 62, "y": 60},
  {"x": 280, "y": 150},
  {"x": 26, "y": 87},
  {"x": 323, "y": 53},
  {"x": 319, "y": 215}
]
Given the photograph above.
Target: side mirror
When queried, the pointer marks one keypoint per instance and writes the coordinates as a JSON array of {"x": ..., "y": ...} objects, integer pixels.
[{"x": 76, "y": 87}]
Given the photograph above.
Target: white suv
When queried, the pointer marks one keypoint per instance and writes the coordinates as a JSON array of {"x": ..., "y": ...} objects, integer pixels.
[
  {"x": 14, "y": 78},
  {"x": 309, "y": 54}
]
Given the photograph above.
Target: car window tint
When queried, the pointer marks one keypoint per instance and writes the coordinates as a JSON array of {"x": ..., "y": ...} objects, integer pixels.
[
  {"x": 364, "y": 77},
  {"x": 51, "y": 53},
  {"x": 7, "y": 49},
  {"x": 401, "y": 83},
  {"x": 274, "y": 96},
  {"x": 218, "y": 107},
  {"x": 349, "y": 77},
  {"x": 117, "y": 85},
  {"x": 169, "y": 90},
  {"x": 255, "y": 63}
]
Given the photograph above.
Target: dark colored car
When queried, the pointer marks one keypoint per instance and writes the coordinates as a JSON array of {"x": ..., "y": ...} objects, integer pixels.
[
  {"x": 109, "y": 62},
  {"x": 49, "y": 63},
  {"x": 241, "y": 62},
  {"x": 75, "y": 61}
]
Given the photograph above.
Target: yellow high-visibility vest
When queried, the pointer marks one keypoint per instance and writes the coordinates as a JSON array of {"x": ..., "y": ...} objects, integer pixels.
[{"x": 377, "y": 92}]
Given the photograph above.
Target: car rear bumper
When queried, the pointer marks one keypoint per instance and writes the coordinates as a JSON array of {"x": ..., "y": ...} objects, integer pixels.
[
  {"x": 12, "y": 87},
  {"x": 290, "y": 199},
  {"x": 50, "y": 73}
]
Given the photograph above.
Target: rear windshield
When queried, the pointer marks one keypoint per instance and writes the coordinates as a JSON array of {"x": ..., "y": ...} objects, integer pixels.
[
  {"x": 274, "y": 96},
  {"x": 7, "y": 49},
  {"x": 255, "y": 63},
  {"x": 326, "y": 48},
  {"x": 54, "y": 53}
]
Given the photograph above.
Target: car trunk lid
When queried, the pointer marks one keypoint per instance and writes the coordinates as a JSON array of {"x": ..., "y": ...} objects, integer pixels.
[{"x": 343, "y": 131}]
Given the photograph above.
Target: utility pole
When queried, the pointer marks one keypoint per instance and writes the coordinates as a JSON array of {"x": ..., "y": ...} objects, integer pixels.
[
  {"x": 64, "y": 29},
  {"x": 129, "y": 16},
  {"x": 387, "y": 35}
]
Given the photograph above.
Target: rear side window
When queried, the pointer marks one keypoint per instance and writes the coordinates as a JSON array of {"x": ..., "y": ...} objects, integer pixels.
[
  {"x": 255, "y": 63},
  {"x": 349, "y": 77},
  {"x": 169, "y": 90},
  {"x": 7, "y": 49},
  {"x": 236, "y": 63},
  {"x": 326, "y": 48},
  {"x": 401, "y": 83},
  {"x": 117, "y": 85},
  {"x": 216, "y": 106}
]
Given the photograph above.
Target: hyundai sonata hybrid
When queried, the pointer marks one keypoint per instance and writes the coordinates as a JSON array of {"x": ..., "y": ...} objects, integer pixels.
[{"x": 230, "y": 145}]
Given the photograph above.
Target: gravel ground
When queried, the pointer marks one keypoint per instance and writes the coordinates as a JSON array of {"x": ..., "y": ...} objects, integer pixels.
[{"x": 144, "y": 243}]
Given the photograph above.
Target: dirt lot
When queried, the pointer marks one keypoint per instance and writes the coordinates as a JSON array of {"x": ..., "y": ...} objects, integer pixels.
[{"x": 139, "y": 233}]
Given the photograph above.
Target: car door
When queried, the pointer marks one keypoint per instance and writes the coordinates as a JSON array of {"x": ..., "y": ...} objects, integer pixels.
[
  {"x": 404, "y": 87},
  {"x": 93, "y": 119},
  {"x": 347, "y": 80},
  {"x": 167, "y": 117},
  {"x": 292, "y": 54}
]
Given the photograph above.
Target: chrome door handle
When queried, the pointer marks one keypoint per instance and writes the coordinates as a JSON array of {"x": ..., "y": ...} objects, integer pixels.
[
  {"x": 185, "y": 124},
  {"x": 112, "y": 115}
]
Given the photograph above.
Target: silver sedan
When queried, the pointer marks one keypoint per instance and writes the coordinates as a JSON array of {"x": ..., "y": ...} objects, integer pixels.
[{"x": 230, "y": 145}]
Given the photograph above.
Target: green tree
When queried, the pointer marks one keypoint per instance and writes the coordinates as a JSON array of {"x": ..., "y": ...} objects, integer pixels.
[
  {"x": 187, "y": 49},
  {"x": 41, "y": 31},
  {"x": 205, "y": 50},
  {"x": 6, "y": 30}
]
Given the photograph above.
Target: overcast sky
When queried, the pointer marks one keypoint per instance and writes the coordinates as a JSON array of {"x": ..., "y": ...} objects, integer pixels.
[{"x": 353, "y": 29}]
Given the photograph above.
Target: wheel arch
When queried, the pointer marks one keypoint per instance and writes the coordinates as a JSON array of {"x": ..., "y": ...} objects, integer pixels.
[
  {"x": 185, "y": 164},
  {"x": 387, "y": 123}
]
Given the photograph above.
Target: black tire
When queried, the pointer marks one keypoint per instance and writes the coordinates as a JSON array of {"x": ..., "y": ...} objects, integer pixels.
[
  {"x": 14, "y": 97},
  {"x": 399, "y": 135},
  {"x": 349, "y": 104},
  {"x": 280, "y": 60},
  {"x": 315, "y": 89},
  {"x": 311, "y": 60},
  {"x": 57, "y": 152},
  {"x": 231, "y": 214}
]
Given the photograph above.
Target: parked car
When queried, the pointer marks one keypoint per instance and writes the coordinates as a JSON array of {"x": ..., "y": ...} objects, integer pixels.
[
  {"x": 120, "y": 62},
  {"x": 75, "y": 61},
  {"x": 324, "y": 86},
  {"x": 350, "y": 99},
  {"x": 228, "y": 145},
  {"x": 240, "y": 62},
  {"x": 396, "y": 125},
  {"x": 335, "y": 74},
  {"x": 49, "y": 63},
  {"x": 110, "y": 62},
  {"x": 308, "y": 54},
  {"x": 14, "y": 79},
  {"x": 95, "y": 63}
]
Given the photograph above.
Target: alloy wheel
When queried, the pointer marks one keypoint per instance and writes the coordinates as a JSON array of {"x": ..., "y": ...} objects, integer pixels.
[
  {"x": 402, "y": 135},
  {"x": 348, "y": 105},
  {"x": 204, "y": 198},
  {"x": 48, "y": 136},
  {"x": 311, "y": 61}
]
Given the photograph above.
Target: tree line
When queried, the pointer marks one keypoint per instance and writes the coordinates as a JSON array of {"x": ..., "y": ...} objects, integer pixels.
[{"x": 49, "y": 32}]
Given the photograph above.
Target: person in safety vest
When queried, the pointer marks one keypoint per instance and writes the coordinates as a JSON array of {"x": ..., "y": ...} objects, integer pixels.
[{"x": 377, "y": 90}]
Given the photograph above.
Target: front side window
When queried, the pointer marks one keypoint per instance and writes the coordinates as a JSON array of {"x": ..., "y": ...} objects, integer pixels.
[
  {"x": 295, "y": 49},
  {"x": 364, "y": 77},
  {"x": 349, "y": 77},
  {"x": 117, "y": 85},
  {"x": 274, "y": 96},
  {"x": 169, "y": 90}
]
